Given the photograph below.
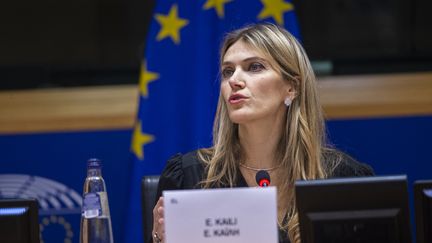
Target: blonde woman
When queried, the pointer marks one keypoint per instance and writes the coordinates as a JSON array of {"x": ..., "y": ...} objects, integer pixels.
[{"x": 268, "y": 118}]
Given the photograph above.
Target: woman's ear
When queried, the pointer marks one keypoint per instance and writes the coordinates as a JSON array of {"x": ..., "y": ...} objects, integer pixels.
[
  {"x": 292, "y": 87},
  {"x": 290, "y": 94}
]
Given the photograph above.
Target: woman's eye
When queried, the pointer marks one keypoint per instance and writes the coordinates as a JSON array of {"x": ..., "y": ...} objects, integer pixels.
[
  {"x": 227, "y": 72},
  {"x": 255, "y": 67}
]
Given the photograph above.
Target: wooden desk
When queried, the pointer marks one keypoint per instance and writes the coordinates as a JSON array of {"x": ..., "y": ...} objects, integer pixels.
[{"x": 114, "y": 107}]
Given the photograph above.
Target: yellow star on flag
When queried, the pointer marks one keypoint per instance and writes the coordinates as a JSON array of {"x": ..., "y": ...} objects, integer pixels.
[
  {"x": 139, "y": 140},
  {"x": 218, "y": 5},
  {"x": 170, "y": 25},
  {"x": 275, "y": 9},
  {"x": 145, "y": 78}
]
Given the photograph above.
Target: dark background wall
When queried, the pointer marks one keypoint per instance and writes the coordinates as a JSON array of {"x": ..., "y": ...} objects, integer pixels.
[
  {"x": 71, "y": 43},
  {"x": 345, "y": 29},
  {"x": 68, "y": 43},
  {"x": 368, "y": 36}
]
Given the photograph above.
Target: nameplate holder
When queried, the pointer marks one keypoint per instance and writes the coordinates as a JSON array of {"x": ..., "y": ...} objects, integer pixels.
[{"x": 231, "y": 215}]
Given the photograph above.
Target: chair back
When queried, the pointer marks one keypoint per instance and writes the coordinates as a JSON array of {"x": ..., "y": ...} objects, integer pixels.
[{"x": 149, "y": 186}]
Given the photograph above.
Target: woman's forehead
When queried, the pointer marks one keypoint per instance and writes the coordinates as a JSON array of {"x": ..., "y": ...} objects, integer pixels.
[{"x": 244, "y": 50}]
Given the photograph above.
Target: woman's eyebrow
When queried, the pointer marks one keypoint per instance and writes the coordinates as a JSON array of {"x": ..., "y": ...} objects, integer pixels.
[
  {"x": 255, "y": 59},
  {"x": 249, "y": 59}
]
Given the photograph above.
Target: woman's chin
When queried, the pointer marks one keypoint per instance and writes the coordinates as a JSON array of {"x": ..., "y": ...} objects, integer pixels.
[{"x": 239, "y": 118}]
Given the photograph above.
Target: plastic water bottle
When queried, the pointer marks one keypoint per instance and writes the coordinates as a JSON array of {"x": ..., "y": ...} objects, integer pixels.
[{"x": 95, "y": 214}]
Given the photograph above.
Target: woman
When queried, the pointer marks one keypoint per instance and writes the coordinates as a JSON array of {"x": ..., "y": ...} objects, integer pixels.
[{"x": 268, "y": 118}]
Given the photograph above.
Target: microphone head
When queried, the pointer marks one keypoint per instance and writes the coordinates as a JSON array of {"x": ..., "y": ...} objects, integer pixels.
[{"x": 262, "y": 178}]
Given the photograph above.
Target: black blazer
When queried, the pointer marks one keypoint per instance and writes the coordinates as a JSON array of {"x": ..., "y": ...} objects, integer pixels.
[{"x": 186, "y": 171}]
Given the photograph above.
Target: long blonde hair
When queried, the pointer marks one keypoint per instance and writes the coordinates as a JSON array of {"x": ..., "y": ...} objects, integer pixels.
[{"x": 301, "y": 145}]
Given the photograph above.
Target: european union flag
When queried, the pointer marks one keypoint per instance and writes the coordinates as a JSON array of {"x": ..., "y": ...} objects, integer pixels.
[{"x": 179, "y": 82}]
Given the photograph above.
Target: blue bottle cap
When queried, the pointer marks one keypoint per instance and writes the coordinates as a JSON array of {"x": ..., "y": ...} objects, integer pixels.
[{"x": 94, "y": 163}]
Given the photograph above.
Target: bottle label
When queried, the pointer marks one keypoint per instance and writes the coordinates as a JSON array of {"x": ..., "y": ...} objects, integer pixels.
[
  {"x": 95, "y": 205},
  {"x": 91, "y": 206}
]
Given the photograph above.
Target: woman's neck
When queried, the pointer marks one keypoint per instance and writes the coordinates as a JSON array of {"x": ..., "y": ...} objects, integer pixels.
[{"x": 259, "y": 141}]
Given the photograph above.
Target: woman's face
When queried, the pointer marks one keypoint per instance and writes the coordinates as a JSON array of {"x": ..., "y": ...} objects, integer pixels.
[{"x": 252, "y": 89}]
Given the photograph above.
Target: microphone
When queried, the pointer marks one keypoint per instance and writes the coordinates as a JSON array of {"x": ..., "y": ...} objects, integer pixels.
[{"x": 262, "y": 178}]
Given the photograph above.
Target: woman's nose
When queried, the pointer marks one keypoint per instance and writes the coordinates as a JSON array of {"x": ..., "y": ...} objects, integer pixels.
[{"x": 236, "y": 81}]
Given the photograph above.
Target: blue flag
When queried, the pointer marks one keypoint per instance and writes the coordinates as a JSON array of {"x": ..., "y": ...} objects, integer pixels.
[{"x": 179, "y": 81}]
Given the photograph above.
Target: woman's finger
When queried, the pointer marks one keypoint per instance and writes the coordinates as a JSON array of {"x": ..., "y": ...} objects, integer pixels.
[{"x": 158, "y": 222}]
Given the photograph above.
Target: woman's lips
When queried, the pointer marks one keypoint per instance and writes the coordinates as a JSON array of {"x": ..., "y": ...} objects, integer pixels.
[{"x": 236, "y": 99}]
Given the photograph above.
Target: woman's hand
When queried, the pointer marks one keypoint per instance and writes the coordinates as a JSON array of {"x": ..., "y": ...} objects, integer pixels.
[{"x": 158, "y": 232}]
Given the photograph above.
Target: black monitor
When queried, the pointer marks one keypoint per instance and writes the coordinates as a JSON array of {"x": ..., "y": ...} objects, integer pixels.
[
  {"x": 19, "y": 221},
  {"x": 423, "y": 210},
  {"x": 357, "y": 210}
]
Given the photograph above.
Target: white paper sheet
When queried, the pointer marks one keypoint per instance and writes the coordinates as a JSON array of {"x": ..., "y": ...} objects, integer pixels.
[{"x": 246, "y": 215}]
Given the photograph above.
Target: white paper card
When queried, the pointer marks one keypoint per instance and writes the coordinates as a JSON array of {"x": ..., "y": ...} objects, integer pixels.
[{"x": 234, "y": 215}]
